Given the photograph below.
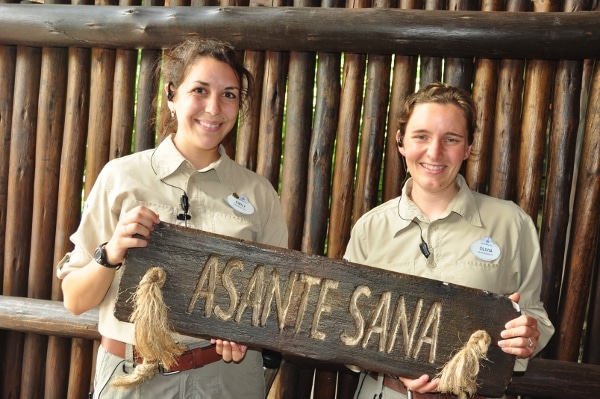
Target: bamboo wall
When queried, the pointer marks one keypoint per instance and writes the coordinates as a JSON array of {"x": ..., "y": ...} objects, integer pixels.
[{"x": 321, "y": 129}]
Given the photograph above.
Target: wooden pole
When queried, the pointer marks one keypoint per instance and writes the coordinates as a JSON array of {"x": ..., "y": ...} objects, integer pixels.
[
  {"x": 507, "y": 122},
  {"x": 403, "y": 84},
  {"x": 298, "y": 127},
  {"x": 7, "y": 81},
  {"x": 411, "y": 32},
  {"x": 20, "y": 198},
  {"x": 372, "y": 134},
  {"x": 271, "y": 117},
  {"x": 100, "y": 114},
  {"x": 342, "y": 192},
  {"x": 146, "y": 113},
  {"x": 584, "y": 234},
  {"x": 320, "y": 158},
  {"x": 121, "y": 134},
  {"x": 48, "y": 144}
]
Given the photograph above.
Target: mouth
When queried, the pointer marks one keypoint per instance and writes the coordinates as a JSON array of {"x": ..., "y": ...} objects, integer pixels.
[
  {"x": 209, "y": 124},
  {"x": 433, "y": 168}
]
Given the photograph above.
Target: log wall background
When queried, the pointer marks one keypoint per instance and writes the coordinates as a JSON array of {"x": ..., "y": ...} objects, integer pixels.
[{"x": 321, "y": 129}]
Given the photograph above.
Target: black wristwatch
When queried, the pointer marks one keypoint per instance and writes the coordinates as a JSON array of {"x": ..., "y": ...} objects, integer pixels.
[{"x": 100, "y": 257}]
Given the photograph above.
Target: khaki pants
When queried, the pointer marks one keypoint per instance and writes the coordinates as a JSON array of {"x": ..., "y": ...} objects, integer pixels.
[{"x": 216, "y": 380}]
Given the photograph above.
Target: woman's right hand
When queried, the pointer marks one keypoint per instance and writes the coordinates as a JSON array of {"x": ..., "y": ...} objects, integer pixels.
[
  {"x": 132, "y": 231},
  {"x": 421, "y": 384}
]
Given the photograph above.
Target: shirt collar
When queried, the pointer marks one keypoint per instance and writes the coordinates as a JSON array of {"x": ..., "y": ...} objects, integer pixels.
[
  {"x": 463, "y": 204},
  {"x": 167, "y": 159}
]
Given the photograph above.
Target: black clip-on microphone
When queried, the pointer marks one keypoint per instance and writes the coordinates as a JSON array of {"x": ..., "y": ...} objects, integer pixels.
[{"x": 185, "y": 205}]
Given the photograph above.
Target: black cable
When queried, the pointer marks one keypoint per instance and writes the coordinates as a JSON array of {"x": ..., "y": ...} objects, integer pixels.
[
  {"x": 423, "y": 245},
  {"x": 184, "y": 201},
  {"x": 110, "y": 377}
]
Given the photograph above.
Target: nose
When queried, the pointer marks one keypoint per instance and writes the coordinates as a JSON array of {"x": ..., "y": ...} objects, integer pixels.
[
  {"x": 213, "y": 105},
  {"x": 435, "y": 149}
]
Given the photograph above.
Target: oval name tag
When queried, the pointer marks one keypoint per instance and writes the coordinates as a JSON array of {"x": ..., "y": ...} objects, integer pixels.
[
  {"x": 485, "y": 249},
  {"x": 240, "y": 203}
]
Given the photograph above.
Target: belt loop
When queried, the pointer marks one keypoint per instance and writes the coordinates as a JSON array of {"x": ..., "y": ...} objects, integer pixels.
[{"x": 129, "y": 360}]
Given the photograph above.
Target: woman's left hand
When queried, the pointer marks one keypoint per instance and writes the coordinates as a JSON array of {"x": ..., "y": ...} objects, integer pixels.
[
  {"x": 230, "y": 350},
  {"x": 520, "y": 334}
]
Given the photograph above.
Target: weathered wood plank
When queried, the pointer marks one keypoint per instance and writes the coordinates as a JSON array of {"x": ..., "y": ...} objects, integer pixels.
[
  {"x": 317, "y": 307},
  {"x": 384, "y": 31}
]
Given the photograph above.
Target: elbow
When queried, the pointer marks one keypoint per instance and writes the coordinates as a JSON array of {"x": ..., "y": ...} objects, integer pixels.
[{"x": 73, "y": 307}]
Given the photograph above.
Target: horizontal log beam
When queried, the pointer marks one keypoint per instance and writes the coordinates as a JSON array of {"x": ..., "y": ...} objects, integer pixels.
[
  {"x": 46, "y": 317},
  {"x": 555, "y": 379},
  {"x": 552, "y": 379},
  {"x": 574, "y": 35}
]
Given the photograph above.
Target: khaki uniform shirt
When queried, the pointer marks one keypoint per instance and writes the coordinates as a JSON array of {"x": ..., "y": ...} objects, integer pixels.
[
  {"x": 156, "y": 179},
  {"x": 386, "y": 237}
]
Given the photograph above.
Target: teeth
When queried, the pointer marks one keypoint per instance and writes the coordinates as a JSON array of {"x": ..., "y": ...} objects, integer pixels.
[
  {"x": 433, "y": 167},
  {"x": 209, "y": 125}
]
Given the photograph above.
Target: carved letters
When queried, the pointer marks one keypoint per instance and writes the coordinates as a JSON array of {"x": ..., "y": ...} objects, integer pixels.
[{"x": 393, "y": 325}]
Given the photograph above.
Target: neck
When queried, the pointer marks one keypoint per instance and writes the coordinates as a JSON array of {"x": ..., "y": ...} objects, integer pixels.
[
  {"x": 433, "y": 204},
  {"x": 200, "y": 158}
]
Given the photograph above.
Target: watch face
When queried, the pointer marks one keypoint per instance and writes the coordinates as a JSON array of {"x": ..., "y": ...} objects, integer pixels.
[{"x": 99, "y": 255}]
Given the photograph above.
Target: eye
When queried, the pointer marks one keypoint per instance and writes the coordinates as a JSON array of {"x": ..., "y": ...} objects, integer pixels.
[
  {"x": 199, "y": 90},
  {"x": 454, "y": 140},
  {"x": 230, "y": 95}
]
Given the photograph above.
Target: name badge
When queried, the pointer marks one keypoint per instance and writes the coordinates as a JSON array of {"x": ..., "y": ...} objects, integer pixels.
[
  {"x": 240, "y": 203},
  {"x": 485, "y": 249}
]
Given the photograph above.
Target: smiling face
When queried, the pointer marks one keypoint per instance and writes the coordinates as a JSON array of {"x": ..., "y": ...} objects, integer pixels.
[
  {"x": 206, "y": 106},
  {"x": 435, "y": 144}
]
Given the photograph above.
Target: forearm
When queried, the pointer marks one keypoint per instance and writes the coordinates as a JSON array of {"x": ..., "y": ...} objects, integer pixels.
[{"x": 85, "y": 288}]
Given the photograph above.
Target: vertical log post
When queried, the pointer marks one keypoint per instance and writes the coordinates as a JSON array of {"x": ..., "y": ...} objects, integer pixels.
[
  {"x": 247, "y": 138},
  {"x": 340, "y": 218},
  {"x": 584, "y": 235},
  {"x": 49, "y": 135},
  {"x": 403, "y": 83},
  {"x": 20, "y": 202},
  {"x": 271, "y": 118},
  {"x": 145, "y": 111},
  {"x": 298, "y": 127},
  {"x": 69, "y": 200}
]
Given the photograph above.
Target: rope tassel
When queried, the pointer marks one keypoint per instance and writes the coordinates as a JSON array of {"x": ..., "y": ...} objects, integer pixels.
[
  {"x": 153, "y": 333},
  {"x": 459, "y": 375}
]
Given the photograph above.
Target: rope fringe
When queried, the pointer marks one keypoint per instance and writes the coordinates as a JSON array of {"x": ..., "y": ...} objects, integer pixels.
[
  {"x": 153, "y": 339},
  {"x": 459, "y": 375}
]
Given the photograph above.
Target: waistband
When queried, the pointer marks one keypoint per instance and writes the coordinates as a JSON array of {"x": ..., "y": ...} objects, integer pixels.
[{"x": 191, "y": 359}]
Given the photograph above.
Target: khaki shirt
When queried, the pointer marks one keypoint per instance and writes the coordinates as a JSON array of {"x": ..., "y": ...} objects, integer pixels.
[
  {"x": 156, "y": 179},
  {"x": 386, "y": 237}
]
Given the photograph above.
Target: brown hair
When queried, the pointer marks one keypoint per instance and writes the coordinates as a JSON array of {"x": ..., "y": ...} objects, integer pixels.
[
  {"x": 440, "y": 93},
  {"x": 176, "y": 64}
]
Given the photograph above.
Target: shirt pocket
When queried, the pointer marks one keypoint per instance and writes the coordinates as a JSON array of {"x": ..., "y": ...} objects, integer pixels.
[
  {"x": 166, "y": 213},
  {"x": 232, "y": 225},
  {"x": 481, "y": 275}
]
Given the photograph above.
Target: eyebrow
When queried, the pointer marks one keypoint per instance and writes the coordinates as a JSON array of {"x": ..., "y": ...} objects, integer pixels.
[
  {"x": 208, "y": 84},
  {"x": 450, "y": 133}
]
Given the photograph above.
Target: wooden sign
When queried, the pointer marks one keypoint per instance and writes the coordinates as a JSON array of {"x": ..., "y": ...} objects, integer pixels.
[{"x": 316, "y": 307}]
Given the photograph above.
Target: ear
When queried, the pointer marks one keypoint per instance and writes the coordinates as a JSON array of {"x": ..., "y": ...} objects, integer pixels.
[
  {"x": 468, "y": 152},
  {"x": 170, "y": 91},
  {"x": 400, "y": 142}
]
